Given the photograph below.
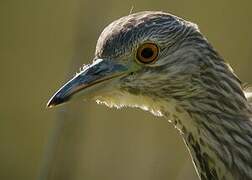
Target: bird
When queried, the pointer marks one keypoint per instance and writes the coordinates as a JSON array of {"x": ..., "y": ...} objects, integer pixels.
[{"x": 163, "y": 64}]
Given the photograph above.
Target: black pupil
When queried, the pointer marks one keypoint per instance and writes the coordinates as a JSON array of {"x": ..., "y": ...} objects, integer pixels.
[{"x": 147, "y": 53}]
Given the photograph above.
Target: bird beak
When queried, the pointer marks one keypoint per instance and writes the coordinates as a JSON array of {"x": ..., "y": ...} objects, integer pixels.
[{"x": 101, "y": 70}]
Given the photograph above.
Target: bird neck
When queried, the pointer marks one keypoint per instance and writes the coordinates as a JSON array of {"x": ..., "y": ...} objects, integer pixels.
[
  {"x": 214, "y": 118},
  {"x": 219, "y": 143}
]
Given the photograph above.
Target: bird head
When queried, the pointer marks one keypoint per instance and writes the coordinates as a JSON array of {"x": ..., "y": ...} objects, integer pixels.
[{"x": 143, "y": 60}]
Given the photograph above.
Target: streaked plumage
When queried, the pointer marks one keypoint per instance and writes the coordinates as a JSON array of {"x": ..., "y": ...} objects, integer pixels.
[{"x": 190, "y": 84}]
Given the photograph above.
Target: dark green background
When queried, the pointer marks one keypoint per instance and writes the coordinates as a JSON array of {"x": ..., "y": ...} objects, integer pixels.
[{"x": 43, "y": 42}]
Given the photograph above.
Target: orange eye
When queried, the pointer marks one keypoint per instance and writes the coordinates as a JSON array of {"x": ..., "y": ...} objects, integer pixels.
[{"x": 147, "y": 53}]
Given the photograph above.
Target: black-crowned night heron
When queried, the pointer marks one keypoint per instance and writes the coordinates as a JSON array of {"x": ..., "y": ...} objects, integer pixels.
[{"x": 163, "y": 64}]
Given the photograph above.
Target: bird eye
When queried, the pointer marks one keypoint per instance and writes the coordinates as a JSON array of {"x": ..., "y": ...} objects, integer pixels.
[{"x": 147, "y": 53}]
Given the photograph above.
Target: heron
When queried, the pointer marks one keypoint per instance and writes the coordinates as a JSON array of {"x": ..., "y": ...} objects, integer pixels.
[{"x": 163, "y": 64}]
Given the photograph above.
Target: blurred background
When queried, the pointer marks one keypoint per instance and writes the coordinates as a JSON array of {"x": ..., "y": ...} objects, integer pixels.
[{"x": 43, "y": 43}]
